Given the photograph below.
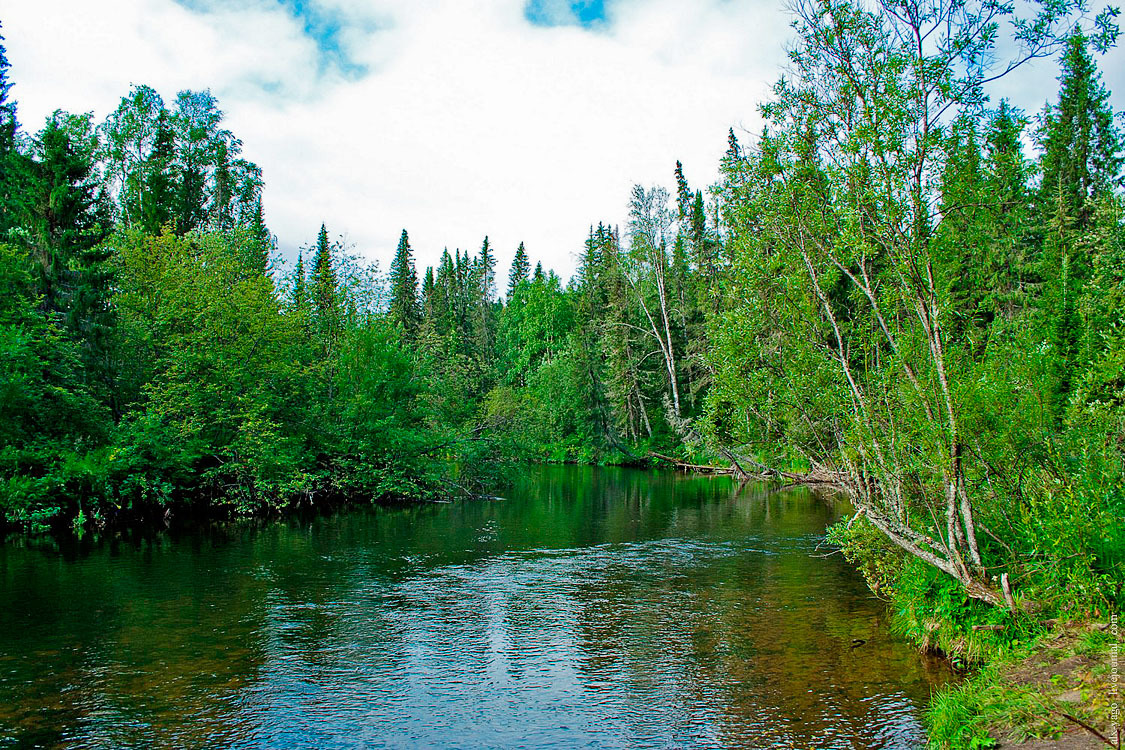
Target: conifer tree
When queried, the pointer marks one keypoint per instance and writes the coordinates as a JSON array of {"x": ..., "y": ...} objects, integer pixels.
[
  {"x": 8, "y": 154},
  {"x": 63, "y": 230},
  {"x": 486, "y": 265},
  {"x": 300, "y": 284},
  {"x": 263, "y": 243},
  {"x": 222, "y": 199},
  {"x": 734, "y": 150},
  {"x": 483, "y": 298},
  {"x": 586, "y": 349},
  {"x": 1007, "y": 172},
  {"x": 404, "y": 308},
  {"x": 159, "y": 195},
  {"x": 8, "y": 121},
  {"x": 61, "y": 210},
  {"x": 428, "y": 296},
  {"x": 1081, "y": 166},
  {"x": 683, "y": 193},
  {"x": 539, "y": 277},
  {"x": 964, "y": 244},
  {"x": 1006, "y": 164},
  {"x": 443, "y": 295},
  {"x": 324, "y": 278},
  {"x": 1081, "y": 143},
  {"x": 521, "y": 268}
]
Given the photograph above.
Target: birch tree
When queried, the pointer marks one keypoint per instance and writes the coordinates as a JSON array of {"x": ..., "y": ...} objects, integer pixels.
[
  {"x": 649, "y": 277},
  {"x": 846, "y": 209}
]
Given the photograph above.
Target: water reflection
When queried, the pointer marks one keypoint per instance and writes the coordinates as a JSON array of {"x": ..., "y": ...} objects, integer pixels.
[{"x": 593, "y": 607}]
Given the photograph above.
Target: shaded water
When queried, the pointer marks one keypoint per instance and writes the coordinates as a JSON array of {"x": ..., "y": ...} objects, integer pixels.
[{"x": 591, "y": 608}]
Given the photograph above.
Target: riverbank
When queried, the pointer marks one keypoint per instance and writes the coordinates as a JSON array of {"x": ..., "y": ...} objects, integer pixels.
[{"x": 1058, "y": 691}]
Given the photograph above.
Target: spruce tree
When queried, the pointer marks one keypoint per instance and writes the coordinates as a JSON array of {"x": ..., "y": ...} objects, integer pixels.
[
  {"x": 63, "y": 232},
  {"x": 324, "y": 278},
  {"x": 521, "y": 268},
  {"x": 587, "y": 272},
  {"x": 404, "y": 308},
  {"x": 734, "y": 150},
  {"x": 158, "y": 199},
  {"x": 962, "y": 246},
  {"x": 300, "y": 284},
  {"x": 1081, "y": 167},
  {"x": 443, "y": 298},
  {"x": 1007, "y": 167},
  {"x": 262, "y": 241},
  {"x": 1081, "y": 143},
  {"x": 1007, "y": 172},
  {"x": 61, "y": 209},
  {"x": 539, "y": 277},
  {"x": 8, "y": 154},
  {"x": 683, "y": 193},
  {"x": 486, "y": 271},
  {"x": 8, "y": 121},
  {"x": 483, "y": 313},
  {"x": 221, "y": 209},
  {"x": 428, "y": 296}
]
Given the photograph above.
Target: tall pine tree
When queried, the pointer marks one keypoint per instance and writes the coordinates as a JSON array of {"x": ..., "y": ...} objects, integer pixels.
[
  {"x": 262, "y": 242},
  {"x": 158, "y": 198},
  {"x": 405, "y": 308},
  {"x": 521, "y": 268},
  {"x": 300, "y": 284},
  {"x": 8, "y": 153},
  {"x": 1081, "y": 166},
  {"x": 7, "y": 105},
  {"x": 1081, "y": 143},
  {"x": 324, "y": 289}
]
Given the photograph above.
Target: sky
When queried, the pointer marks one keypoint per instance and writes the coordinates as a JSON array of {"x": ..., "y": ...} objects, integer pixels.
[{"x": 522, "y": 120}]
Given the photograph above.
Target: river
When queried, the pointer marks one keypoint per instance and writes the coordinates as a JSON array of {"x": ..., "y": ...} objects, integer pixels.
[{"x": 602, "y": 608}]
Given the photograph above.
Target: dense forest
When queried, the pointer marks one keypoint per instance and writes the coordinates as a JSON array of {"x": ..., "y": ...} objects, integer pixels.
[{"x": 899, "y": 287}]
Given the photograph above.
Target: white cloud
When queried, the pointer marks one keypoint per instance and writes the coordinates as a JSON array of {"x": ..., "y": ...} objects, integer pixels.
[{"x": 469, "y": 120}]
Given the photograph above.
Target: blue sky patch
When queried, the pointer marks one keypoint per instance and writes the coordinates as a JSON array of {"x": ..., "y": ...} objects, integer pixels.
[
  {"x": 322, "y": 25},
  {"x": 585, "y": 13}
]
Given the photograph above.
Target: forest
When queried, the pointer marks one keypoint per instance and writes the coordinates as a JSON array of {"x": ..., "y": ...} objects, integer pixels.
[{"x": 899, "y": 288}]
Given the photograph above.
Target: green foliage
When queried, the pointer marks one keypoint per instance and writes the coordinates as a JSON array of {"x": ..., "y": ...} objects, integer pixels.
[
  {"x": 48, "y": 418},
  {"x": 956, "y": 718},
  {"x": 177, "y": 167},
  {"x": 1015, "y": 696},
  {"x": 898, "y": 314},
  {"x": 214, "y": 382},
  {"x": 865, "y": 547}
]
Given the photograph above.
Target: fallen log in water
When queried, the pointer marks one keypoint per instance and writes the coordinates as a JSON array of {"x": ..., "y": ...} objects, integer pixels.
[
  {"x": 702, "y": 468},
  {"x": 815, "y": 477}
]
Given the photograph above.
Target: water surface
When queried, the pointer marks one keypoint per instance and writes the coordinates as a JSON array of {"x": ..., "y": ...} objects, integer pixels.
[{"x": 603, "y": 608}]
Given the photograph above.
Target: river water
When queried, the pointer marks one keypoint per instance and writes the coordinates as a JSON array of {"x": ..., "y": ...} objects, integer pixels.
[{"x": 605, "y": 608}]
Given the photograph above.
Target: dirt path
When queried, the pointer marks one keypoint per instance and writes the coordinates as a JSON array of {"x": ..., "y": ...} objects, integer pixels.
[{"x": 1071, "y": 673}]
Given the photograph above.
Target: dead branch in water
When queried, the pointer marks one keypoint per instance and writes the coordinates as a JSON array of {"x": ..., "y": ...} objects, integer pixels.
[{"x": 817, "y": 477}]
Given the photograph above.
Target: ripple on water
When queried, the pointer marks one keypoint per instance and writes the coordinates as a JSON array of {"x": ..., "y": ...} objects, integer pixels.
[{"x": 609, "y": 610}]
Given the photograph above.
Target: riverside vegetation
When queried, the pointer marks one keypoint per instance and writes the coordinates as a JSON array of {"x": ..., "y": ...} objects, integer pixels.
[{"x": 884, "y": 292}]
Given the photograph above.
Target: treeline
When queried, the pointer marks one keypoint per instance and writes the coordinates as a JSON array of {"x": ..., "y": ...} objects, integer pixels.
[
  {"x": 604, "y": 368},
  {"x": 148, "y": 360},
  {"x": 884, "y": 292},
  {"x": 158, "y": 355}
]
